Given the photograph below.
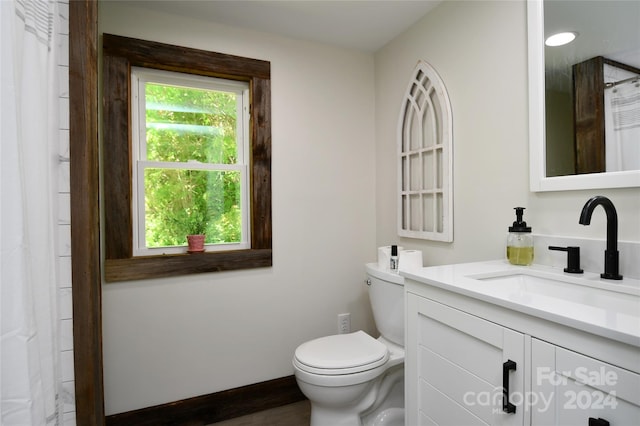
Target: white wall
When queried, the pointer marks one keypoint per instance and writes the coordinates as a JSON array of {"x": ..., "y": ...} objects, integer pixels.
[
  {"x": 169, "y": 339},
  {"x": 334, "y": 187},
  {"x": 480, "y": 51}
]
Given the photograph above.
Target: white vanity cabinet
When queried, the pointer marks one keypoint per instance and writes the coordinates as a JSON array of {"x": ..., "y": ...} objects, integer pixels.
[{"x": 465, "y": 347}]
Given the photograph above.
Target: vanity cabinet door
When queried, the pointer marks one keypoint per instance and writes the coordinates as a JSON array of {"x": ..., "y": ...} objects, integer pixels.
[
  {"x": 456, "y": 365},
  {"x": 569, "y": 388}
]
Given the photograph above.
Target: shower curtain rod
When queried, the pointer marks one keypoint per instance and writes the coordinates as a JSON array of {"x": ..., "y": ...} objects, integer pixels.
[{"x": 615, "y": 83}]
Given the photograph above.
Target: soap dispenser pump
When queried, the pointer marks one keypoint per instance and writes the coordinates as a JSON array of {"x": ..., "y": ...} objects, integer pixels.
[{"x": 520, "y": 241}]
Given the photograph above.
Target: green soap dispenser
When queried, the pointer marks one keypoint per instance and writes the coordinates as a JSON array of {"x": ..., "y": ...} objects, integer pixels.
[{"x": 520, "y": 241}]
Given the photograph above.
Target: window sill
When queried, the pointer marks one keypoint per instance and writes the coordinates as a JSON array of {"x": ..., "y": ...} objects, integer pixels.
[{"x": 171, "y": 265}]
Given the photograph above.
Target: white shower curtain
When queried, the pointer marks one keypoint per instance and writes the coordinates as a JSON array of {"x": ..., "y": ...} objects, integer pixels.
[
  {"x": 622, "y": 126},
  {"x": 30, "y": 381}
]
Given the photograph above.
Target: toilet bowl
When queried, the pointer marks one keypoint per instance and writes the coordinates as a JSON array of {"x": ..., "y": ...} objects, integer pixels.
[{"x": 354, "y": 379}]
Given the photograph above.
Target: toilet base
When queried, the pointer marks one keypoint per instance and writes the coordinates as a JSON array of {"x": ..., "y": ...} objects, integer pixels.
[
  {"x": 390, "y": 417},
  {"x": 326, "y": 417},
  {"x": 389, "y": 412},
  {"x": 380, "y": 403}
]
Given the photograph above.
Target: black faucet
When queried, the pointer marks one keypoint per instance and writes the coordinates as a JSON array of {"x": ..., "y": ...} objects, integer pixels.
[{"x": 611, "y": 262}]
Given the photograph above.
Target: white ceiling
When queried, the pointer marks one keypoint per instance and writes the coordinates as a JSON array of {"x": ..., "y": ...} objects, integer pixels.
[
  {"x": 605, "y": 28},
  {"x": 365, "y": 25}
]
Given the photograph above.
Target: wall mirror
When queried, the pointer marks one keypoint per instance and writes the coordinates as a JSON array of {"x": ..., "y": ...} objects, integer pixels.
[{"x": 572, "y": 143}]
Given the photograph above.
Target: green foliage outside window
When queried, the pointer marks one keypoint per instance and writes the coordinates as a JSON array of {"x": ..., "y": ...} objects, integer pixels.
[{"x": 186, "y": 125}]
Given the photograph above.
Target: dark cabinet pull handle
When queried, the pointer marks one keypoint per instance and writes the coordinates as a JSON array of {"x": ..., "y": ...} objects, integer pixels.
[
  {"x": 507, "y": 407},
  {"x": 598, "y": 422}
]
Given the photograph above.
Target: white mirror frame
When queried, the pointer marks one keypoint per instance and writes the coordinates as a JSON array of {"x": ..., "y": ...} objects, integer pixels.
[{"x": 538, "y": 179}]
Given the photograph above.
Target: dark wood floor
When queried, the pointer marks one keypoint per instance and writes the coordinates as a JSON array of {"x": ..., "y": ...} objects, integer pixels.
[{"x": 296, "y": 414}]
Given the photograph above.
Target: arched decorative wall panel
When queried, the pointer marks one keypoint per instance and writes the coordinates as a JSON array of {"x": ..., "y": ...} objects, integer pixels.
[{"x": 425, "y": 142}]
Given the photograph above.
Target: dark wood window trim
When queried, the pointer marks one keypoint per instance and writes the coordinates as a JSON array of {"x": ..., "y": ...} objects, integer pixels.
[
  {"x": 119, "y": 55},
  {"x": 85, "y": 214}
]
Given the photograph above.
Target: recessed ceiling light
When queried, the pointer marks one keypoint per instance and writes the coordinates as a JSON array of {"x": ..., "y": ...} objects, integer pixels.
[{"x": 560, "y": 39}]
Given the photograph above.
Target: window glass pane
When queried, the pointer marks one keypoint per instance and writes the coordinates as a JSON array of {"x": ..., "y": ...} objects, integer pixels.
[
  {"x": 415, "y": 212},
  {"x": 405, "y": 171},
  {"x": 439, "y": 172},
  {"x": 427, "y": 208},
  {"x": 437, "y": 109},
  {"x": 439, "y": 219},
  {"x": 185, "y": 124},
  {"x": 427, "y": 170},
  {"x": 429, "y": 126},
  {"x": 405, "y": 210},
  {"x": 415, "y": 172},
  {"x": 406, "y": 129},
  {"x": 180, "y": 202},
  {"x": 415, "y": 141}
]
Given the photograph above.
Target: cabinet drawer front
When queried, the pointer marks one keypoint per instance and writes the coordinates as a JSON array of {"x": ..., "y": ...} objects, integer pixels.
[
  {"x": 576, "y": 403},
  {"x": 486, "y": 331},
  {"x": 609, "y": 379},
  {"x": 480, "y": 338},
  {"x": 571, "y": 388},
  {"x": 443, "y": 382},
  {"x": 438, "y": 409},
  {"x": 460, "y": 366}
]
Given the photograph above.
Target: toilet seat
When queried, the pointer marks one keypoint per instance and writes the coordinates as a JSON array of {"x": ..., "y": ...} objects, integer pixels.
[{"x": 341, "y": 354}]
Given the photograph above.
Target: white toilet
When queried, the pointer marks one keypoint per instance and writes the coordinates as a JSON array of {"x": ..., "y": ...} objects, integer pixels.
[{"x": 354, "y": 379}]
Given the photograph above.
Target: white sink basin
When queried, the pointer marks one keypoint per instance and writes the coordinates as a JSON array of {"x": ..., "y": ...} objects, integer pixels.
[{"x": 527, "y": 284}]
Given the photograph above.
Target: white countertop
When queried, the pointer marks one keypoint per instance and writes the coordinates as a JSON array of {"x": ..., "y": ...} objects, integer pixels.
[{"x": 583, "y": 301}]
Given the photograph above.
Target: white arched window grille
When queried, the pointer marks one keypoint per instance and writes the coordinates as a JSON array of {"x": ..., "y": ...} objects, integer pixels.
[{"x": 425, "y": 198}]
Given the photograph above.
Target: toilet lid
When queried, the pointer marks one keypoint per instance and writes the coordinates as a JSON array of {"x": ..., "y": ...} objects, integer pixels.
[{"x": 341, "y": 354}]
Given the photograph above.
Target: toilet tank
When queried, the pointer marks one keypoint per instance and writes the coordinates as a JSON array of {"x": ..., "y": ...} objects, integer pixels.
[{"x": 386, "y": 293}]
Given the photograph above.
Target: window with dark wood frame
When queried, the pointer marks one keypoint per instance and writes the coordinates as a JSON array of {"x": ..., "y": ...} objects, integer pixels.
[{"x": 119, "y": 55}]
